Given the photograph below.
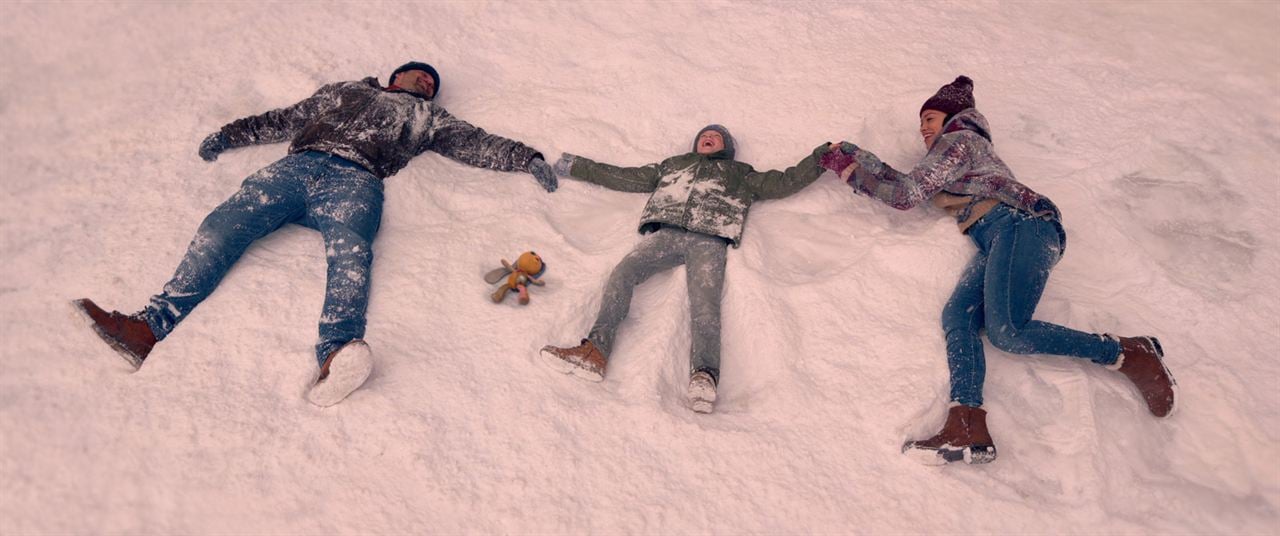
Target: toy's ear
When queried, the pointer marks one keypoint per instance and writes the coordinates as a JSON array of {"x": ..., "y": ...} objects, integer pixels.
[{"x": 496, "y": 275}]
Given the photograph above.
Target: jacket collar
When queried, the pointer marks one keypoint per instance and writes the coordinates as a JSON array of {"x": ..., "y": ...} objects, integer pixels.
[
  {"x": 398, "y": 89},
  {"x": 968, "y": 119}
]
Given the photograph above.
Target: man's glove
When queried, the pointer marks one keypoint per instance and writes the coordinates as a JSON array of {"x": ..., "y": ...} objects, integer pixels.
[
  {"x": 543, "y": 172},
  {"x": 212, "y": 146}
]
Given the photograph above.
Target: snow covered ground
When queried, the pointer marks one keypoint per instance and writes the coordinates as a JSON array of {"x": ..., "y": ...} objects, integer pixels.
[{"x": 1152, "y": 125}]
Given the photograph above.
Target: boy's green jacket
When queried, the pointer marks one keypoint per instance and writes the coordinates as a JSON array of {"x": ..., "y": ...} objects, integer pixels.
[{"x": 708, "y": 194}]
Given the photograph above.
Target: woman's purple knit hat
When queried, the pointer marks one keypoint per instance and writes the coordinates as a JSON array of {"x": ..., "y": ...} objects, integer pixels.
[{"x": 951, "y": 98}]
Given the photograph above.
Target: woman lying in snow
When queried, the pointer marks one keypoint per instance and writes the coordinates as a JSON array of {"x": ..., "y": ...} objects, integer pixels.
[{"x": 1020, "y": 238}]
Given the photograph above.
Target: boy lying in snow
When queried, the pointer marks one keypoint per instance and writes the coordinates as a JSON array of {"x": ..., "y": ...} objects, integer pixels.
[
  {"x": 1019, "y": 238},
  {"x": 346, "y": 138},
  {"x": 697, "y": 207}
]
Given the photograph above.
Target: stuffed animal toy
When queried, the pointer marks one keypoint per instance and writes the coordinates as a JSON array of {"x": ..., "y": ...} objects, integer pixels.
[{"x": 525, "y": 271}]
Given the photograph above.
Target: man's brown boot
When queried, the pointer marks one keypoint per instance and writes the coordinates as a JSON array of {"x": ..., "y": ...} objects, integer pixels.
[
  {"x": 1142, "y": 361},
  {"x": 963, "y": 438},
  {"x": 584, "y": 360},
  {"x": 129, "y": 335}
]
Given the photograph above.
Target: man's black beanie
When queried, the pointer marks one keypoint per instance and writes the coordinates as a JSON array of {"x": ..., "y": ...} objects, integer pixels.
[
  {"x": 417, "y": 66},
  {"x": 952, "y": 98}
]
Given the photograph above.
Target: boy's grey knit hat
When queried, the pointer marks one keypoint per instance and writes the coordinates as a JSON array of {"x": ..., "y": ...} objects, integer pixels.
[{"x": 728, "y": 150}]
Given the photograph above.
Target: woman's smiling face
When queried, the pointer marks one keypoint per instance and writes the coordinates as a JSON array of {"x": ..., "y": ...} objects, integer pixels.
[{"x": 931, "y": 126}]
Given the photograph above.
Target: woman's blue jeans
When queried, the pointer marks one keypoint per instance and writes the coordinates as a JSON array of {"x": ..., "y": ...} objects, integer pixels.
[
  {"x": 999, "y": 291},
  {"x": 323, "y": 192}
]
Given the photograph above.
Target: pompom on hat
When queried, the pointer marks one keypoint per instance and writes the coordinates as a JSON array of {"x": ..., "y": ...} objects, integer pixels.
[{"x": 951, "y": 98}]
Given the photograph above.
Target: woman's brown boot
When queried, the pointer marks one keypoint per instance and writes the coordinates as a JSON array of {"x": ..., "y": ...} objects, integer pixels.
[
  {"x": 1142, "y": 361},
  {"x": 963, "y": 438}
]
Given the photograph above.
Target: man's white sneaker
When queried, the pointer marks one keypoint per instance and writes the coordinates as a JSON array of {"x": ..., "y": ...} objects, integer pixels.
[{"x": 344, "y": 371}]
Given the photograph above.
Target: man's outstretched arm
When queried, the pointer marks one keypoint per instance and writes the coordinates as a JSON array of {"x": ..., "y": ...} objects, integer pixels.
[
  {"x": 271, "y": 127},
  {"x": 471, "y": 145}
]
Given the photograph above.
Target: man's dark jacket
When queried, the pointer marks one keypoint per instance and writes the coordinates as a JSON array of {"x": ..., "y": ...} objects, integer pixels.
[{"x": 380, "y": 130}]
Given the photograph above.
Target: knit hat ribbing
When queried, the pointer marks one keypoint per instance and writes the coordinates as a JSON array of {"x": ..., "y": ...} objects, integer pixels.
[{"x": 951, "y": 98}]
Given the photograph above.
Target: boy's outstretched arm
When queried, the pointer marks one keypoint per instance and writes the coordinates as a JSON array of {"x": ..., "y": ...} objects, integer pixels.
[
  {"x": 775, "y": 184},
  {"x": 643, "y": 179}
]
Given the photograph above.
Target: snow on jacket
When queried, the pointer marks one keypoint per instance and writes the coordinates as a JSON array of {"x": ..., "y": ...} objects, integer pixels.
[
  {"x": 708, "y": 194},
  {"x": 962, "y": 162},
  {"x": 380, "y": 130}
]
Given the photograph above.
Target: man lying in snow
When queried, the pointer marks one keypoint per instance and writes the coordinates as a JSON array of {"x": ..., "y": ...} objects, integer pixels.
[
  {"x": 697, "y": 208},
  {"x": 346, "y": 138}
]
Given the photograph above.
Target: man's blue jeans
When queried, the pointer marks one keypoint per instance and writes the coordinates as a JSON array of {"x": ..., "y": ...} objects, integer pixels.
[
  {"x": 329, "y": 194},
  {"x": 999, "y": 292}
]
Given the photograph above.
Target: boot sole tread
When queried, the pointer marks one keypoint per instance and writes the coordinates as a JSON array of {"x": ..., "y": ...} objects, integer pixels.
[
  {"x": 1173, "y": 383},
  {"x": 568, "y": 367},
  {"x": 972, "y": 454}
]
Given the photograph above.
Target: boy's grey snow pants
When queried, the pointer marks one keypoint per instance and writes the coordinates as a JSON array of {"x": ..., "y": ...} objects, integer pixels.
[{"x": 669, "y": 247}]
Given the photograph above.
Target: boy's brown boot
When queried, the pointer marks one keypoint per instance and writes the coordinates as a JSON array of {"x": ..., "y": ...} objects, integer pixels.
[
  {"x": 964, "y": 437},
  {"x": 1142, "y": 361},
  {"x": 584, "y": 360},
  {"x": 129, "y": 335}
]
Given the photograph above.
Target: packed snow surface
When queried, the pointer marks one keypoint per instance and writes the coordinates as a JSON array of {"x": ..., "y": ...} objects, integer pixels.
[{"x": 1153, "y": 126}]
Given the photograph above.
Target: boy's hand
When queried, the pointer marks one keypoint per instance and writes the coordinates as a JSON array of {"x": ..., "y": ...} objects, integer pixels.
[
  {"x": 836, "y": 160},
  {"x": 840, "y": 159},
  {"x": 564, "y": 164},
  {"x": 544, "y": 174}
]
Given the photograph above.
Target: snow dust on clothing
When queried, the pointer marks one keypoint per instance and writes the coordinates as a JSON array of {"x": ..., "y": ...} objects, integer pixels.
[
  {"x": 962, "y": 162},
  {"x": 1019, "y": 240},
  {"x": 698, "y": 206},
  {"x": 378, "y": 129},
  {"x": 704, "y": 258},
  {"x": 332, "y": 195},
  {"x": 346, "y": 137},
  {"x": 708, "y": 194},
  {"x": 998, "y": 291}
]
